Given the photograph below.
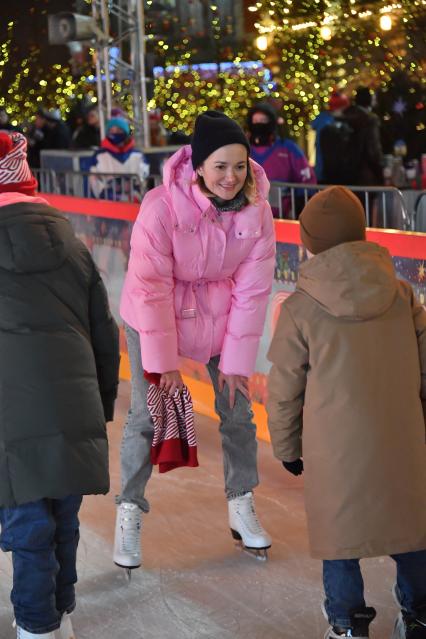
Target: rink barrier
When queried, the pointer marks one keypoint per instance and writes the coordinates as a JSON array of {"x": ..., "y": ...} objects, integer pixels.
[
  {"x": 127, "y": 187},
  {"x": 105, "y": 227},
  {"x": 384, "y": 205}
]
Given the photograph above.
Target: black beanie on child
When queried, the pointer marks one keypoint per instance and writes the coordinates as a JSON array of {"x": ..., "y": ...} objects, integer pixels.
[{"x": 213, "y": 130}]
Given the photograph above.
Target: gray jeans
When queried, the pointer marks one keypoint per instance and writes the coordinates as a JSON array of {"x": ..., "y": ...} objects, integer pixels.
[{"x": 236, "y": 428}]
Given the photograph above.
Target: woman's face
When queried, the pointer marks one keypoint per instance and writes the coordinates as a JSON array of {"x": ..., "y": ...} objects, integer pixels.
[{"x": 224, "y": 172}]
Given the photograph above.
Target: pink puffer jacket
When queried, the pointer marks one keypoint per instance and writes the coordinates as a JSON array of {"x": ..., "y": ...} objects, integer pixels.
[{"x": 193, "y": 288}]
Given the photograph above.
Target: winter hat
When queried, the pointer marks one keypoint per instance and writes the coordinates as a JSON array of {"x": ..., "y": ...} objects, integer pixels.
[
  {"x": 116, "y": 112},
  {"x": 213, "y": 130},
  {"x": 51, "y": 116},
  {"x": 262, "y": 107},
  {"x": 338, "y": 101},
  {"x": 15, "y": 174},
  {"x": 364, "y": 97},
  {"x": 120, "y": 122},
  {"x": 331, "y": 217}
]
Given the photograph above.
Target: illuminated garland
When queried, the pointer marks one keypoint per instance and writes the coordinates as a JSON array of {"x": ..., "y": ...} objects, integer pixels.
[
  {"x": 185, "y": 92},
  {"x": 343, "y": 47},
  {"x": 307, "y": 62}
]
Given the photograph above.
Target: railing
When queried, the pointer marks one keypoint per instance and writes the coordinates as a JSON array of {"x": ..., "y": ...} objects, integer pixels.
[
  {"x": 420, "y": 212},
  {"x": 104, "y": 186},
  {"x": 384, "y": 205}
]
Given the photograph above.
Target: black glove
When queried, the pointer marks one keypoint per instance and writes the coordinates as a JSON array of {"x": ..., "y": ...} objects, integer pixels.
[{"x": 294, "y": 467}]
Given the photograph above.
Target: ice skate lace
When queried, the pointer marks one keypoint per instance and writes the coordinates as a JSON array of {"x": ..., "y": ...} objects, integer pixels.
[
  {"x": 248, "y": 512},
  {"x": 130, "y": 527}
]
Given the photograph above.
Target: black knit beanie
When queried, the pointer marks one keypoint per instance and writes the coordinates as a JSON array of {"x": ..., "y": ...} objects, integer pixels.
[
  {"x": 262, "y": 107},
  {"x": 213, "y": 130}
]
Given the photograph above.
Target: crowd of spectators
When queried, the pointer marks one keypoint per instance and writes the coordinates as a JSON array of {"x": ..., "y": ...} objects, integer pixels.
[{"x": 348, "y": 143}]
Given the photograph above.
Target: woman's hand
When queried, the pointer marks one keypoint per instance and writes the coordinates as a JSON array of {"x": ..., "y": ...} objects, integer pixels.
[
  {"x": 234, "y": 383},
  {"x": 171, "y": 381}
]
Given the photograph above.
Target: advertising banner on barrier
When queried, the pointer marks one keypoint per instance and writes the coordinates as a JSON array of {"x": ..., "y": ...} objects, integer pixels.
[{"x": 105, "y": 228}]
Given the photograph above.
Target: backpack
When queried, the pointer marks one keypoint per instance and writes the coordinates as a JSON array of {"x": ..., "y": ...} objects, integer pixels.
[{"x": 342, "y": 150}]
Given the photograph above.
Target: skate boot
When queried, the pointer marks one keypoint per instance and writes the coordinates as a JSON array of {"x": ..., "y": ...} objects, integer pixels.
[
  {"x": 246, "y": 528},
  {"x": 409, "y": 626},
  {"x": 66, "y": 630},
  {"x": 360, "y": 621},
  {"x": 127, "y": 543},
  {"x": 24, "y": 634}
]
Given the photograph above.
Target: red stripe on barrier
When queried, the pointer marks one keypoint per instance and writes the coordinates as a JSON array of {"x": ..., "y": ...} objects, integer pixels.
[
  {"x": 398, "y": 243},
  {"x": 96, "y": 208}
]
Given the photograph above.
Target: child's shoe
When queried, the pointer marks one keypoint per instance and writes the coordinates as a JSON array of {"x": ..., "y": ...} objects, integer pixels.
[
  {"x": 360, "y": 621},
  {"x": 66, "y": 630},
  {"x": 409, "y": 626}
]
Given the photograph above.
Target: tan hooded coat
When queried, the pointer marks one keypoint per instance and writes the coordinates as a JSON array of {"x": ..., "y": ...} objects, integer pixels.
[{"x": 349, "y": 353}]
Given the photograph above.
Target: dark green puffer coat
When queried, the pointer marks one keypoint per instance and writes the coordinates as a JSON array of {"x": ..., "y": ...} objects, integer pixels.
[{"x": 59, "y": 358}]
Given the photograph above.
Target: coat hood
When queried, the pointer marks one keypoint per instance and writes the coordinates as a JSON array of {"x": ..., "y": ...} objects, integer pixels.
[
  {"x": 33, "y": 236},
  {"x": 355, "y": 280},
  {"x": 356, "y": 117},
  {"x": 179, "y": 178},
  {"x": 321, "y": 120}
]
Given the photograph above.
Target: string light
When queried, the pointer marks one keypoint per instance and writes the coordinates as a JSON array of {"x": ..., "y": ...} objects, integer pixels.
[
  {"x": 385, "y": 22},
  {"x": 326, "y": 32},
  {"x": 313, "y": 47},
  {"x": 262, "y": 42},
  {"x": 331, "y": 44}
]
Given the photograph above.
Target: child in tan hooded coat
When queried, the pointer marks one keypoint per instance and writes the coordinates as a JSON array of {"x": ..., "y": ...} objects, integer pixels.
[{"x": 348, "y": 387}]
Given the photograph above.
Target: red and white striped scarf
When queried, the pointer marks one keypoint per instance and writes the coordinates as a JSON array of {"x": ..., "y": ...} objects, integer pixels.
[{"x": 175, "y": 443}]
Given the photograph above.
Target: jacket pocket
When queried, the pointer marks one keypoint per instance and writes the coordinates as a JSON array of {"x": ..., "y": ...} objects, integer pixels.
[{"x": 249, "y": 233}]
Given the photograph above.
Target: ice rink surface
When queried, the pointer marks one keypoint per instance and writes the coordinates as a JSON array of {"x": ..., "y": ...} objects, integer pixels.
[{"x": 194, "y": 583}]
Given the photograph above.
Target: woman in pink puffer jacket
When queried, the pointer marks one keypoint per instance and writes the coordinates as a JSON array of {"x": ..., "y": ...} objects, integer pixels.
[{"x": 200, "y": 273}]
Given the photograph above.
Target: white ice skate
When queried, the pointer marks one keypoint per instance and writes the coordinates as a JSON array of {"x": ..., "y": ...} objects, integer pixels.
[
  {"x": 24, "y": 634},
  {"x": 66, "y": 630},
  {"x": 127, "y": 544},
  {"x": 415, "y": 628},
  {"x": 246, "y": 528}
]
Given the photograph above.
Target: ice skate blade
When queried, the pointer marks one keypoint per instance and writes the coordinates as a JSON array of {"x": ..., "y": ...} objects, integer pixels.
[
  {"x": 261, "y": 554},
  {"x": 128, "y": 570}
]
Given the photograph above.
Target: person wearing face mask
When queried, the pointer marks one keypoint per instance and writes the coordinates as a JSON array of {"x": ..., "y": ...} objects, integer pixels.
[
  {"x": 200, "y": 273},
  {"x": 282, "y": 159},
  {"x": 118, "y": 155}
]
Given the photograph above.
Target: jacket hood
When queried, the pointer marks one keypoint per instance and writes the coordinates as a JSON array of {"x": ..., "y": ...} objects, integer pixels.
[
  {"x": 355, "y": 280},
  {"x": 321, "y": 120},
  {"x": 33, "y": 236},
  {"x": 356, "y": 117},
  {"x": 178, "y": 175}
]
